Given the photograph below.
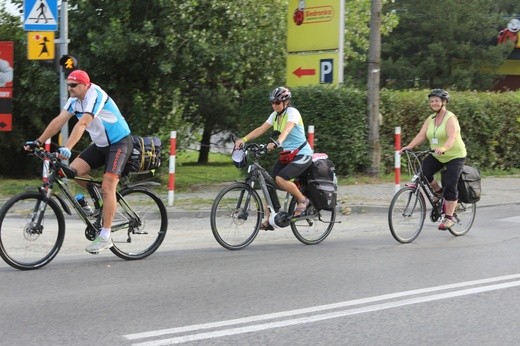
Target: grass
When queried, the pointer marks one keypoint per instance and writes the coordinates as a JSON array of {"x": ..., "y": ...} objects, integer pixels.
[{"x": 190, "y": 176}]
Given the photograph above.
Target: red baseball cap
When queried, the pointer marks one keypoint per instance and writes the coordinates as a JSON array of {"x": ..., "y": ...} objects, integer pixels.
[{"x": 79, "y": 76}]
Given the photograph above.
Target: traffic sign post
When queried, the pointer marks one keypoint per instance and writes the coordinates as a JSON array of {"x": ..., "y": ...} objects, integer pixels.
[{"x": 40, "y": 15}]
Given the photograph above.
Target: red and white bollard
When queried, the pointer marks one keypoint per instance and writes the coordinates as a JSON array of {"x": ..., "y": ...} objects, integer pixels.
[
  {"x": 310, "y": 136},
  {"x": 397, "y": 158},
  {"x": 171, "y": 170},
  {"x": 45, "y": 171}
]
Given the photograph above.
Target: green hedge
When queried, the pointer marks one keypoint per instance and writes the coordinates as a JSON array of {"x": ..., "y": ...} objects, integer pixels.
[{"x": 489, "y": 122}]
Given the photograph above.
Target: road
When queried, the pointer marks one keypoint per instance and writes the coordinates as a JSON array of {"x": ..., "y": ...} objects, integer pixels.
[{"x": 359, "y": 287}]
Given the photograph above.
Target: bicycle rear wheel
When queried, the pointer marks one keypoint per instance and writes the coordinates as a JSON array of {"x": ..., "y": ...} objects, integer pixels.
[
  {"x": 314, "y": 229},
  {"x": 464, "y": 217},
  {"x": 406, "y": 214},
  {"x": 235, "y": 216},
  {"x": 25, "y": 242},
  {"x": 140, "y": 224}
]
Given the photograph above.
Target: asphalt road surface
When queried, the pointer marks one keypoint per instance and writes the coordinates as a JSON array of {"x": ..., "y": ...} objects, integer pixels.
[{"x": 358, "y": 287}]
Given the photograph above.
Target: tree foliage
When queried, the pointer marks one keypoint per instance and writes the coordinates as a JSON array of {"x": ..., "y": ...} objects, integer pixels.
[{"x": 445, "y": 43}]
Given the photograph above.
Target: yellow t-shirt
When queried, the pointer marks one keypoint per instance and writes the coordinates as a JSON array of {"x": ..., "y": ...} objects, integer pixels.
[{"x": 438, "y": 136}]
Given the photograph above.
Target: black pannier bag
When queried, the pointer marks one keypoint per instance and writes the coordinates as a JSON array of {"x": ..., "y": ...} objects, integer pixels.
[
  {"x": 320, "y": 180},
  {"x": 146, "y": 154},
  {"x": 469, "y": 185}
]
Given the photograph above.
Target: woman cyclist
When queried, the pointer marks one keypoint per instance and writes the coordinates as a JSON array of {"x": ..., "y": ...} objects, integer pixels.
[
  {"x": 288, "y": 121},
  {"x": 442, "y": 130}
]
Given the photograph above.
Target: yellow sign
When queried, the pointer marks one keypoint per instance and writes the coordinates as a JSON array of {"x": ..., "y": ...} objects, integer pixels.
[
  {"x": 313, "y": 68},
  {"x": 40, "y": 45},
  {"x": 313, "y": 25},
  {"x": 510, "y": 67}
]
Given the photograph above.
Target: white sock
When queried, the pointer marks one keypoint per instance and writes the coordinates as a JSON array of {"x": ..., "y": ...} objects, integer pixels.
[{"x": 105, "y": 233}]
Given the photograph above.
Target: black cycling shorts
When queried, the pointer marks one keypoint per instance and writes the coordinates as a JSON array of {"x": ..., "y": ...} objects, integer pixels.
[
  {"x": 294, "y": 169},
  {"x": 114, "y": 157}
]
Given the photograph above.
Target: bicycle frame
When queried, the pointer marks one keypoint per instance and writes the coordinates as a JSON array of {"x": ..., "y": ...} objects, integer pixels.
[
  {"x": 59, "y": 171},
  {"x": 419, "y": 181}
]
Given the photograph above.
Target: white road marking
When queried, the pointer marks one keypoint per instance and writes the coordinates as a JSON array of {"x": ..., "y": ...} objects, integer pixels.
[
  {"x": 320, "y": 317},
  {"x": 512, "y": 219}
]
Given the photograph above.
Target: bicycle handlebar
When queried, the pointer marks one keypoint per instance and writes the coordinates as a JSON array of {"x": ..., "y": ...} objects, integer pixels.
[{"x": 54, "y": 162}]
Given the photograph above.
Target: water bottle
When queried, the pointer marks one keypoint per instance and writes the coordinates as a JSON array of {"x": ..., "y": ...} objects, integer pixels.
[{"x": 84, "y": 204}]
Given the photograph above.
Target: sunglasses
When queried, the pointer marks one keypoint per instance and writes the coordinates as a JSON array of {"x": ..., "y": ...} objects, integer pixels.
[
  {"x": 72, "y": 85},
  {"x": 276, "y": 103}
]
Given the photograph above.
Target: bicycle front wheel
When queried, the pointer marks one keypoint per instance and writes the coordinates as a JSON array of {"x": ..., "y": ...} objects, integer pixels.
[
  {"x": 139, "y": 225},
  {"x": 464, "y": 217},
  {"x": 31, "y": 231},
  {"x": 235, "y": 216},
  {"x": 316, "y": 227},
  {"x": 406, "y": 214}
]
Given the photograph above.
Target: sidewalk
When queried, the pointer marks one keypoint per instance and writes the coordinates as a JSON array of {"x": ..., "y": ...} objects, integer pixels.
[{"x": 359, "y": 198}]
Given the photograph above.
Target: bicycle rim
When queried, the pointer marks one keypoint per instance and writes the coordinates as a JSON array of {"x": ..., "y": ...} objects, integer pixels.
[
  {"x": 314, "y": 229},
  {"x": 23, "y": 244},
  {"x": 136, "y": 238},
  {"x": 464, "y": 217},
  {"x": 406, "y": 215},
  {"x": 235, "y": 216}
]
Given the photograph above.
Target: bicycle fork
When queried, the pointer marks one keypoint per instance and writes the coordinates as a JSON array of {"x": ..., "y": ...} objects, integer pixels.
[{"x": 413, "y": 199}]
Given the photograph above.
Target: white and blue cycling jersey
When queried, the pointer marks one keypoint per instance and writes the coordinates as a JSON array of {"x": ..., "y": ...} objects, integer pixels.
[{"x": 108, "y": 126}]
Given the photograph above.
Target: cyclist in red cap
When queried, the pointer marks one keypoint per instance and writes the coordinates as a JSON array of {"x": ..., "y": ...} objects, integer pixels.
[{"x": 112, "y": 144}]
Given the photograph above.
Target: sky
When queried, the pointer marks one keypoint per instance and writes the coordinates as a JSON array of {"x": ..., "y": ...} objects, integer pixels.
[{"x": 11, "y": 8}]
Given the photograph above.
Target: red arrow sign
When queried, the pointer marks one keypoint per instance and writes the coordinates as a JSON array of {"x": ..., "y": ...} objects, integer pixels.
[{"x": 304, "y": 72}]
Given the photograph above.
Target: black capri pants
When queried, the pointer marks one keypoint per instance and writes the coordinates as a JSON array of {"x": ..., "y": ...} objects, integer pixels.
[{"x": 450, "y": 177}]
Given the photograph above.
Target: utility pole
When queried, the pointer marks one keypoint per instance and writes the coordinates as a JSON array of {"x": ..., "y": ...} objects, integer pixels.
[
  {"x": 63, "y": 43},
  {"x": 373, "y": 83}
]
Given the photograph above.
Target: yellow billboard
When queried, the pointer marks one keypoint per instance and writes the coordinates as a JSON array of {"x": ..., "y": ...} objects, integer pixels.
[
  {"x": 313, "y": 68},
  {"x": 314, "y": 25}
]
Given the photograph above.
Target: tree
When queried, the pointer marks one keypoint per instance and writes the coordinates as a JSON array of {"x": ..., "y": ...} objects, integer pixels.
[
  {"x": 445, "y": 43},
  {"x": 374, "y": 68},
  {"x": 235, "y": 45},
  {"x": 180, "y": 58},
  {"x": 357, "y": 32}
]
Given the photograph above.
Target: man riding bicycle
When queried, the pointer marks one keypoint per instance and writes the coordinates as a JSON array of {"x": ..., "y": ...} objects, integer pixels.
[{"x": 98, "y": 114}]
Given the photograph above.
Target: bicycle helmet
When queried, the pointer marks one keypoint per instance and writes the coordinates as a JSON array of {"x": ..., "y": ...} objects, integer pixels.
[
  {"x": 280, "y": 94},
  {"x": 239, "y": 158},
  {"x": 441, "y": 93}
]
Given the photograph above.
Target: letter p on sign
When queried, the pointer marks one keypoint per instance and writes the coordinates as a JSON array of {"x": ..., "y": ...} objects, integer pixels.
[{"x": 326, "y": 71}]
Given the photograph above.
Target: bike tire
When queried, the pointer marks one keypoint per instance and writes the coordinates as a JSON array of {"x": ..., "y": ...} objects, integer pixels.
[
  {"x": 235, "y": 216},
  {"x": 406, "y": 214},
  {"x": 22, "y": 246},
  {"x": 464, "y": 217},
  {"x": 315, "y": 227},
  {"x": 137, "y": 238}
]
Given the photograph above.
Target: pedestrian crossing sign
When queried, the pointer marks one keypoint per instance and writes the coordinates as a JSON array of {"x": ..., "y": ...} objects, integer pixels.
[
  {"x": 40, "y": 45},
  {"x": 40, "y": 15}
]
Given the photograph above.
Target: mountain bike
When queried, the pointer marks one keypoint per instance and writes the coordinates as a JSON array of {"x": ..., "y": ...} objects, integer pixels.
[
  {"x": 407, "y": 210},
  {"x": 32, "y": 223},
  {"x": 238, "y": 211}
]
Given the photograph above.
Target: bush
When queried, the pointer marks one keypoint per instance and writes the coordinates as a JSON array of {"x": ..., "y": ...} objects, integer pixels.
[{"x": 489, "y": 123}]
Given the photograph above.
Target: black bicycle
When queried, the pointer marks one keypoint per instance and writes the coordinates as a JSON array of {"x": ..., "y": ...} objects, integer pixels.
[
  {"x": 237, "y": 211},
  {"x": 408, "y": 207},
  {"x": 32, "y": 223}
]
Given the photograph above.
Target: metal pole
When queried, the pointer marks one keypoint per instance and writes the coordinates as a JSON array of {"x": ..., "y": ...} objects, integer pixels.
[
  {"x": 341, "y": 54},
  {"x": 63, "y": 41}
]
